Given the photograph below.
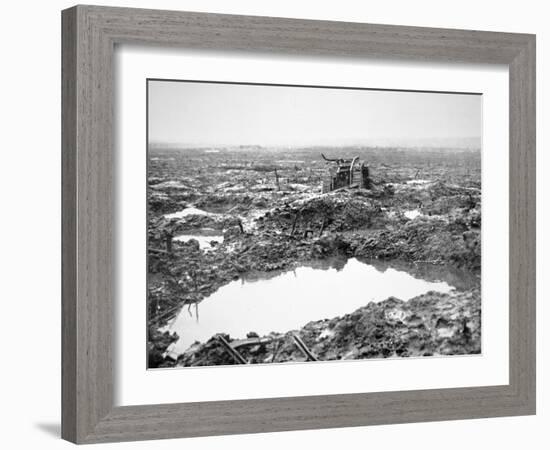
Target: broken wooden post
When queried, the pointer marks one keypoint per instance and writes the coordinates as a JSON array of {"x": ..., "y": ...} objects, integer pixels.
[
  {"x": 168, "y": 236},
  {"x": 193, "y": 274},
  {"x": 156, "y": 250},
  {"x": 365, "y": 173},
  {"x": 353, "y": 161},
  {"x": 323, "y": 225},
  {"x": 294, "y": 223},
  {"x": 234, "y": 353},
  {"x": 277, "y": 179},
  {"x": 276, "y": 351},
  {"x": 303, "y": 347},
  {"x": 250, "y": 342}
]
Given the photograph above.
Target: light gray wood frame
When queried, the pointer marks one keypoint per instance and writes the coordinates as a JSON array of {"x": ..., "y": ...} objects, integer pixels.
[{"x": 89, "y": 36}]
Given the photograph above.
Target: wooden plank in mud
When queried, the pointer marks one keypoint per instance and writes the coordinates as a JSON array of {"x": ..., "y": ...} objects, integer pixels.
[
  {"x": 234, "y": 353},
  {"x": 250, "y": 342},
  {"x": 303, "y": 347}
]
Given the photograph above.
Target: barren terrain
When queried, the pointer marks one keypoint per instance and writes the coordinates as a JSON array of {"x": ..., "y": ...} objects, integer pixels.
[{"x": 216, "y": 215}]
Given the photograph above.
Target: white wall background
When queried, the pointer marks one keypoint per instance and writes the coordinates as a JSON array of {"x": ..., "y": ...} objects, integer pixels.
[{"x": 31, "y": 208}]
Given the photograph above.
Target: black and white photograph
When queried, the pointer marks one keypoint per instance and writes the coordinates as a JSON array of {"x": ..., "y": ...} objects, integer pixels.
[
  {"x": 271, "y": 225},
  {"x": 292, "y": 224}
]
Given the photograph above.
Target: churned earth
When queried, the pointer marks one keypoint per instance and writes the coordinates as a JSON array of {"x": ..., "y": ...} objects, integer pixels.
[{"x": 215, "y": 217}]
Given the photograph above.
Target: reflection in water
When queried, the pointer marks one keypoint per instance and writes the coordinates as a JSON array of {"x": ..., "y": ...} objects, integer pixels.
[
  {"x": 460, "y": 278},
  {"x": 286, "y": 301}
]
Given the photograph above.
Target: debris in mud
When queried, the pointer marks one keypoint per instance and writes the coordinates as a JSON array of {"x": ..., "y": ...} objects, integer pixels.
[
  {"x": 158, "y": 344},
  {"x": 433, "y": 324},
  {"x": 214, "y": 217},
  {"x": 346, "y": 173}
]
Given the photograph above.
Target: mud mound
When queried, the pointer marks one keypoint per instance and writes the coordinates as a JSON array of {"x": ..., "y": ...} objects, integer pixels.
[
  {"x": 337, "y": 211},
  {"x": 427, "y": 239},
  {"x": 165, "y": 203}
]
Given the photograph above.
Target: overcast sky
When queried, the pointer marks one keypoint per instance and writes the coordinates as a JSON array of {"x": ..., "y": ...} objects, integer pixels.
[{"x": 229, "y": 114}]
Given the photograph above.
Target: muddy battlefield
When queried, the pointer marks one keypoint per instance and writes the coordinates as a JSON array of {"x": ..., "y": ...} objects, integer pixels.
[{"x": 277, "y": 254}]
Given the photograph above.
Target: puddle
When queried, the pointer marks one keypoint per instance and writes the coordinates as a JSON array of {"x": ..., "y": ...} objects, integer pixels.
[
  {"x": 204, "y": 240},
  {"x": 248, "y": 220},
  {"x": 418, "y": 181},
  {"x": 171, "y": 184},
  {"x": 412, "y": 214},
  {"x": 287, "y": 301},
  {"x": 191, "y": 211}
]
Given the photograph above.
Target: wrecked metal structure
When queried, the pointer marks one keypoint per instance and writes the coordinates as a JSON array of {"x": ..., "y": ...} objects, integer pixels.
[{"x": 346, "y": 173}]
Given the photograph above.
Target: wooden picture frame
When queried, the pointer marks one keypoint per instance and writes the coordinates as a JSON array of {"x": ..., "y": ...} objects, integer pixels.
[{"x": 89, "y": 37}]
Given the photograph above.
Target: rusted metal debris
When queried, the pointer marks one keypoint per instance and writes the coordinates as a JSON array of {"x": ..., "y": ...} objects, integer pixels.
[{"x": 346, "y": 173}]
